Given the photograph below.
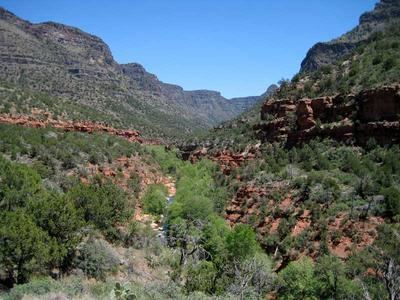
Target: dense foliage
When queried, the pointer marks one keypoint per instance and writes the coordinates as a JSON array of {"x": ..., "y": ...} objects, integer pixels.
[
  {"x": 46, "y": 213},
  {"x": 52, "y": 224},
  {"x": 56, "y": 228},
  {"x": 154, "y": 201},
  {"x": 40, "y": 229}
]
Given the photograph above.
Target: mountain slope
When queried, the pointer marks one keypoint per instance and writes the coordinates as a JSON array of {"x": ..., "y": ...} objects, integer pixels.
[
  {"x": 385, "y": 13},
  {"x": 314, "y": 169},
  {"x": 72, "y": 66},
  {"x": 370, "y": 64}
]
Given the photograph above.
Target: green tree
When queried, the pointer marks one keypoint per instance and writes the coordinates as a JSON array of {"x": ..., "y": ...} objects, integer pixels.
[
  {"x": 58, "y": 216},
  {"x": 242, "y": 242},
  {"x": 215, "y": 236},
  {"x": 154, "y": 202},
  {"x": 102, "y": 203},
  {"x": 24, "y": 247},
  {"x": 17, "y": 184},
  {"x": 392, "y": 201},
  {"x": 332, "y": 281},
  {"x": 299, "y": 281}
]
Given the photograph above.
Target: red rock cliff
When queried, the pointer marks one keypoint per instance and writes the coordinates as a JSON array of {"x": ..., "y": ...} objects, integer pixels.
[{"x": 370, "y": 114}]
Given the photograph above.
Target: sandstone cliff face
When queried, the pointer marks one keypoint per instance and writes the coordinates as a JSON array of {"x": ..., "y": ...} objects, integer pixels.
[
  {"x": 226, "y": 159},
  {"x": 40, "y": 119},
  {"x": 351, "y": 118}
]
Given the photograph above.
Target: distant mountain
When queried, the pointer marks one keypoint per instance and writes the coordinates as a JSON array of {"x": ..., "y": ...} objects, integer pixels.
[
  {"x": 78, "y": 76},
  {"x": 208, "y": 105},
  {"x": 385, "y": 13},
  {"x": 248, "y": 102}
]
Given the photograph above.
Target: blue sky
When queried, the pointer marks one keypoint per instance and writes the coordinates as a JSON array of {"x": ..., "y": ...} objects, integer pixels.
[{"x": 237, "y": 47}]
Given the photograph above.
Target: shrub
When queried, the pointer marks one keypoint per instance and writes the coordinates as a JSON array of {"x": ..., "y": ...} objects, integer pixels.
[
  {"x": 154, "y": 202},
  {"x": 392, "y": 201},
  {"x": 377, "y": 60},
  {"x": 102, "y": 203},
  {"x": 389, "y": 63},
  {"x": 200, "y": 277},
  {"x": 24, "y": 247},
  {"x": 37, "y": 287},
  {"x": 242, "y": 242},
  {"x": 96, "y": 258},
  {"x": 139, "y": 235}
]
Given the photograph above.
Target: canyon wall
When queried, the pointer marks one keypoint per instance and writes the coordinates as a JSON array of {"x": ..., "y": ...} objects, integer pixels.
[{"x": 351, "y": 118}]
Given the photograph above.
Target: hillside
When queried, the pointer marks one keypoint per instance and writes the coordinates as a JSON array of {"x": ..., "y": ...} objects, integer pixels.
[
  {"x": 75, "y": 71},
  {"x": 385, "y": 13},
  {"x": 295, "y": 197},
  {"x": 312, "y": 169},
  {"x": 371, "y": 64}
]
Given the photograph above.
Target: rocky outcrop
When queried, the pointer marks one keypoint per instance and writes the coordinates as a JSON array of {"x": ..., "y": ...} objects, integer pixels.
[
  {"x": 322, "y": 54},
  {"x": 352, "y": 118},
  {"x": 226, "y": 159},
  {"x": 41, "y": 120}
]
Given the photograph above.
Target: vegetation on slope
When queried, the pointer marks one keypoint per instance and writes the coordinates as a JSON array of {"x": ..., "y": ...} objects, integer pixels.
[
  {"x": 374, "y": 63},
  {"x": 336, "y": 203},
  {"x": 317, "y": 221},
  {"x": 79, "y": 226},
  {"x": 151, "y": 122}
]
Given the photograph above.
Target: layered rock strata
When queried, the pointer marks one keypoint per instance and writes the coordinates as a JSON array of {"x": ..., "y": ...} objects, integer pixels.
[{"x": 351, "y": 118}]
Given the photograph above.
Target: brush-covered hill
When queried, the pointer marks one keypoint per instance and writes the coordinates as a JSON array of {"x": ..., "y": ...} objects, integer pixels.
[
  {"x": 314, "y": 168},
  {"x": 385, "y": 13},
  {"x": 302, "y": 200},
  {"x": 73, "y": 74}
]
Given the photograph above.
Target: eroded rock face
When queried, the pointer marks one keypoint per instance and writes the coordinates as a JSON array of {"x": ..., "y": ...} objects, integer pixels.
[
  {"x": 280, "y": 108},
  {"x": 226, "y": 159},
  {"x": 355, "y": 118},
  {"x": 39, "y": 120},
  {"x": 305, "y": 115},
  {"x": 379, "y": 104}
]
